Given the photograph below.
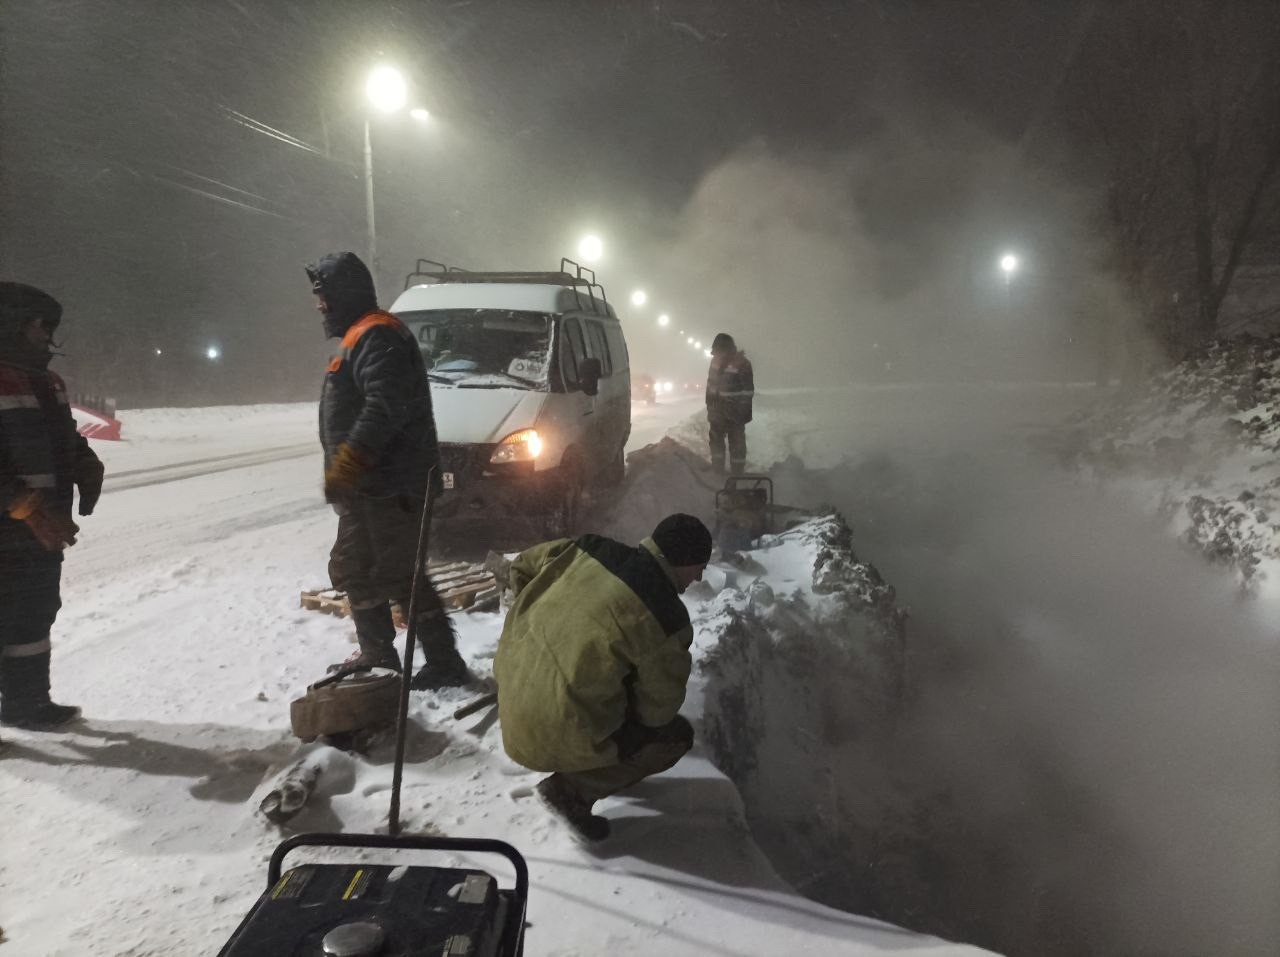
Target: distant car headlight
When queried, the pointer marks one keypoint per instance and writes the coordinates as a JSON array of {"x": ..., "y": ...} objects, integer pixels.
[
  {"x": 522, "y": 446},
  {"x": 667, "y": 387}
]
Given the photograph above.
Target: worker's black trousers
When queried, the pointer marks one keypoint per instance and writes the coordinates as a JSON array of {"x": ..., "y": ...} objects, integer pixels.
[
  {"x": 735, "y": 433},
  {"x": 372, "y": 560},
  {"x": 30, "y": 596}
]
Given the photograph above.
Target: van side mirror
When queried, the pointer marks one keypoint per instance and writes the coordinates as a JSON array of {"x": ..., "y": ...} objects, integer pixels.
[{"x": 589, "y": 376}]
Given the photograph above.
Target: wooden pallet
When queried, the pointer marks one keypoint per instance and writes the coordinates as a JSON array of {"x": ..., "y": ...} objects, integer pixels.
[{"x": 461, "y": 585}]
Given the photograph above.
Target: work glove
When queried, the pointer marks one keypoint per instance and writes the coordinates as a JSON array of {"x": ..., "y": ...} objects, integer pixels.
[
  {"x": 51, "y": 528},
  {"x": 345, "y": 470},
  {"x": 88, "y": 478}
]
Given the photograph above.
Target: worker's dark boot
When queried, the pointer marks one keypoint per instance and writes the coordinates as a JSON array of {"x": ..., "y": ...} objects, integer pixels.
[
  {"x": 24, "y": 695},
  {"x": 565, "y": 801},
  {"x": 376, "y": 632},
  {"x": 444, "y": 667}
]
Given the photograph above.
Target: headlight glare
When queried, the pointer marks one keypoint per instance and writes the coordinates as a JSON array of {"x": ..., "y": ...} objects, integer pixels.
[{"x": 522, "y": 446}]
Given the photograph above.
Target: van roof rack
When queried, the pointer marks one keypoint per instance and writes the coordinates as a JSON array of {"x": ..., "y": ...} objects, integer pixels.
[{"x": 580, "y": 278}]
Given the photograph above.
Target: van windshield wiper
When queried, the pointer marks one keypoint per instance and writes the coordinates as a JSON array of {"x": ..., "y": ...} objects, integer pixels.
[
  {"x": 436, "y": 377},
  {"x": 467, "y": 384}
]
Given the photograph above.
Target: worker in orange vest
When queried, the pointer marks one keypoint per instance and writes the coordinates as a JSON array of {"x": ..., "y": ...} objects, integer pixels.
[{"x": 379, "y": 438}]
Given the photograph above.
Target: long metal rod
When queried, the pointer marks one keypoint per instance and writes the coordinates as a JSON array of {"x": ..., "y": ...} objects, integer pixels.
[{"x": 406, "y": 674}]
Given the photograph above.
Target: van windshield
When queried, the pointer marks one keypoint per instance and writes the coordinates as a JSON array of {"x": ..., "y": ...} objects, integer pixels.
[{"x": 483, "y": 348}]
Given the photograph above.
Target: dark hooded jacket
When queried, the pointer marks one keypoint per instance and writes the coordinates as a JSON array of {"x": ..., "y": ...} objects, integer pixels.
[
  {"x": 375, "y": 396},
  {"x": 39, "y": 445},
  {"x": 731, "y": 384}
]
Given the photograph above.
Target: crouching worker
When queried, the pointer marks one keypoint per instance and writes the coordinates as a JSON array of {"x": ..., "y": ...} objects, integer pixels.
[{"x": 593, "y": 663}]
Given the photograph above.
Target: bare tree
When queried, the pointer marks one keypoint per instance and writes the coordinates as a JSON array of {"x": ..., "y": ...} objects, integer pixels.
[{"x": 1178, "y": 102}]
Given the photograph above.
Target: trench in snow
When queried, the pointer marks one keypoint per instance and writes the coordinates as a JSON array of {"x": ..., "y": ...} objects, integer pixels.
[{"x": 1073, "y": 747}]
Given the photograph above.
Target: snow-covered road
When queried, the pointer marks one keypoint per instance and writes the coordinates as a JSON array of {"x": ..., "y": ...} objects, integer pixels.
[{"x": 181, "y": 637}]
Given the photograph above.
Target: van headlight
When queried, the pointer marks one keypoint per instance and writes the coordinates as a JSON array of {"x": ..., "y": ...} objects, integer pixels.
[{"x": 522, "y": 446}]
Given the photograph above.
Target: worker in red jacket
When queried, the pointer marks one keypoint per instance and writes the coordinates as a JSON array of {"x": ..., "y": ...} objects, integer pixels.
[{"x": 43, "y": 461}]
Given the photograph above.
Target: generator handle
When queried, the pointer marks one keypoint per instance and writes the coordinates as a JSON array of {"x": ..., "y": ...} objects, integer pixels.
[{"x": 406, "y": 842}]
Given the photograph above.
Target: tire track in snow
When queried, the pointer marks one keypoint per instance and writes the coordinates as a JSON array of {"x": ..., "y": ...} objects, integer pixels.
[{"x": 161, "y": 474}]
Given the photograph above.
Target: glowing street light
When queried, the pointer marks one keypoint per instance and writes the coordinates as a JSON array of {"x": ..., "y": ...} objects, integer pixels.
[
  {"x": 1008, "y": 265},
  {"x": 386, "y": 88},
  {"x": 698, "y": 344},
  {"x": 707, "y": 353},
  {"x": 159, "y": 352},
  {"x": 691, "y": 340},
  {"x": 664, "y": 320},
  {"x": 211, "y": 353},
  {"x": 638, "y": 298},
  {"x": 387, "y": 91},
  {"x": 590, "y": 248}
]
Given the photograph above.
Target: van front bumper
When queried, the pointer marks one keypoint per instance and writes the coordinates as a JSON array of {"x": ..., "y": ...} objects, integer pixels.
[{"x": 474, "y": 487}]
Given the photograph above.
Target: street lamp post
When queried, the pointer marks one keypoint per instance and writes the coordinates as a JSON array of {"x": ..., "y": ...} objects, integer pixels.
[
  {"x": 368, "y": 200},
  {"x": 387, "y": 92}
]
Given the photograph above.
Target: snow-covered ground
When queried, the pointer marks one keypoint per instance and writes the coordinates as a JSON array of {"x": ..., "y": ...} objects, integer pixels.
[{"x": 181, "y": 637}]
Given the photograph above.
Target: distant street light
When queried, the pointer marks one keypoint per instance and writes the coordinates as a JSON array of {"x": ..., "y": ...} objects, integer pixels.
[
  {"x": 638, "y": 298},
  {"x": 707, "y": 353},
  {"x": 158, "y": 352},
  {"x": 1008, "y": 266},
  {"x": 211, "y": 353},
  {"x": 386, "y": 88},
  {"x": 590, "y": 248},
  {"x": 664, "y": 320},
  {"x": 419, "y": 114},
  {"x": 698, "y": 344},
  {"x": 691, "y": 340}
]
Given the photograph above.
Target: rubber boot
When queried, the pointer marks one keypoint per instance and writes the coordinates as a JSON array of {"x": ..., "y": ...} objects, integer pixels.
[
  {"x": 566, "y": 802},
  {"x": 376, "y": 632},
  {"x": 24, "y": 695},
  {"x": 444, "y": 667}
]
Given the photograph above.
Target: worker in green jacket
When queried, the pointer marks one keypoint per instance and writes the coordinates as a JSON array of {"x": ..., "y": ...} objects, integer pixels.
[{"x": 593, "y": 663}]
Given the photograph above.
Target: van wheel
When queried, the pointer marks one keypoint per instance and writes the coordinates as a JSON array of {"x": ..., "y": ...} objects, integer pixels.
[
  {"x": 615, "y": 471},
  {"x": 566, "y": 507}
]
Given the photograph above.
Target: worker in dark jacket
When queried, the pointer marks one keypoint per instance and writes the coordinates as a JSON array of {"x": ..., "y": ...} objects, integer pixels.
[
  {"x": 730, "y": 390},
  {"x": 43, "y": 460},
  {"x": 593, "y": 662},
  {"x": 379, "y": 441}
]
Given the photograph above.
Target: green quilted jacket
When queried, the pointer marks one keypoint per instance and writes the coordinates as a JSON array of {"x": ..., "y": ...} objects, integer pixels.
[{"x": 597, "y": 634}]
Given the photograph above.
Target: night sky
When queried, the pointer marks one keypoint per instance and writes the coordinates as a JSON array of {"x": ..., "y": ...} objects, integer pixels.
[{"x": 750, "y": 164}]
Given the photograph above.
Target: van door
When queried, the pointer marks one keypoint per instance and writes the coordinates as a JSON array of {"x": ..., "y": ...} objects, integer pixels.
[
  {"x": 579, "y": 408},
  {"x": 613, "y": 403}
]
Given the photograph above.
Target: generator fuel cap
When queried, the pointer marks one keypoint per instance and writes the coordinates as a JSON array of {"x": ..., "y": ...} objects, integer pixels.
[{"x": 359, "y": 939}]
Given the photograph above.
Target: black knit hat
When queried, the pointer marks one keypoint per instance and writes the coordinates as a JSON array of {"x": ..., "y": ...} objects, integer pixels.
[{"x": 683, "y": 540}]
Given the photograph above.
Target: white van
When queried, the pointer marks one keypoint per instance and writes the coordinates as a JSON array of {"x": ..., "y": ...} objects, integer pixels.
[{"x": 531, "y": 386}]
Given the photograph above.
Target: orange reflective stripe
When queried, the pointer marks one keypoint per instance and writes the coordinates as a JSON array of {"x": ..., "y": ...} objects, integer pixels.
[
  {"x": 367, "y": 322},
  {"x": 335, "y": 363}
]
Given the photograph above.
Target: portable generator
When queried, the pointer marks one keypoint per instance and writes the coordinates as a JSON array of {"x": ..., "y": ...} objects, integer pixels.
[
  {"x": 743, "y": 511},
  {"x": 385, "y": 910}
]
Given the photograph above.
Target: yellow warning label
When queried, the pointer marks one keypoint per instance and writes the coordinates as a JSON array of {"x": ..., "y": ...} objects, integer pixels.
[
  {"x": 281, "y": 885},
  {"x": 352, "y": 886}
]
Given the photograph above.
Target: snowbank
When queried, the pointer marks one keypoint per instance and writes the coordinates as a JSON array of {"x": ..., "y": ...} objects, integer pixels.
[{"x": 1202, "y": 446}]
